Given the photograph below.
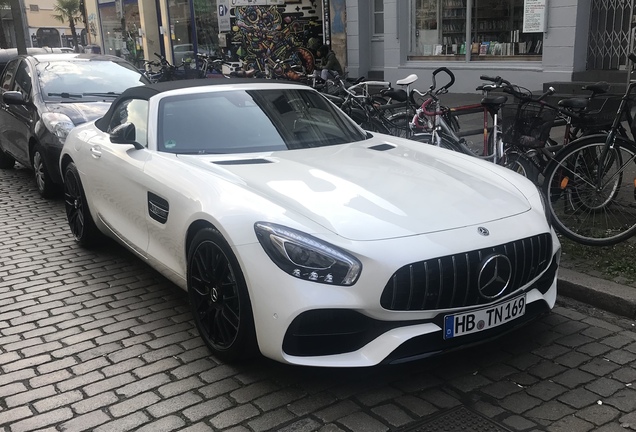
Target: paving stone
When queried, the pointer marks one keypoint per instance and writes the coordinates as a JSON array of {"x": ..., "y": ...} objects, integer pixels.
[
  {"x": 393, "y": 415},
  {"x": 620, "y": 357},
  {"x": 360, "y": 421},
  {"x": 598, "y": 414},
  {"x": 180, "y": 386},
  {"x": 133, "y": 404},
  {"x": 27, "y": 397},
  {"x": 518, "y": 423},
  {"x": 569, "y": 424},
  {"x": 253, "y": 391},
  {"x": 42, "y": 420},
  {"x": 572, "y": 359},
  {"x": 625, "y": 374},
  {"x": 573, "y": 378},
  {"x": 336, "y": 411},
  {"x": 520, "y": 402},
  {"x": 617, "y": 341},
  {"x": 551, "y": 411},
  {"x": 57, "y": 401},
  {"x": 546, "y": 390},
  {"x": 605, "y": 386},
  {"x": 270, "y": 420},
  {"x": 174, "y": 404},
  {"x": 94, "y": 403},
  {"x": 140, "y": 386},
  {"x": 546, "y": 369},
  {"x": 599, "y": 367},
  {"x": 311, "y": 403},
  {"x": 594, "y": 349},
  {"x": 624, "y": 400},
  {"x": 85, "y": 422},
  {"x": 128, "y": 423},
  {"x": 165, "y": 424},
  {"x": 207, "y": 408},
  {"x": 302, "y": 425},
  {"x": 234, "y": 416}
]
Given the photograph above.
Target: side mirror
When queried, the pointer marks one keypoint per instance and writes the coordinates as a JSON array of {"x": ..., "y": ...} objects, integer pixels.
[
  {"x": 13, "y": 98},
  {"x": 125, "y": 134}
]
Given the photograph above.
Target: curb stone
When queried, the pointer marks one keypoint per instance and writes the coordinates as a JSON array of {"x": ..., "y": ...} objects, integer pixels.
[{"x": 601, "y": 293}]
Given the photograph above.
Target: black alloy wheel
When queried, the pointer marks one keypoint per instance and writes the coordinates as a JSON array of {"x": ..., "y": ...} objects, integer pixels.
[
  {"x": 78, "y": 214},
  {"x": 45, "y": 185},
  {"x": 218, "y": 297}
]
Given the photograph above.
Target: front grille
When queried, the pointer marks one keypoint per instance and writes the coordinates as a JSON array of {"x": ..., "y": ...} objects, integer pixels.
[{"x": 451, "y": 281}]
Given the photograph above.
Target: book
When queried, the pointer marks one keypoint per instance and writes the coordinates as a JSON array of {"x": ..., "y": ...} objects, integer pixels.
[
  {"x": 474, "y": 48},
  {"x": 437, "y": 50},
  {"x": 483, "y": 48}
]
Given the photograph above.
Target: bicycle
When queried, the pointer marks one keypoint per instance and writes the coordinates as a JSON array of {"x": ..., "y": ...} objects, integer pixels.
[
  {"x": 435, "y": 124},
  {"x": 528, "y": 122},
  {"x": 590, "y": 184}
]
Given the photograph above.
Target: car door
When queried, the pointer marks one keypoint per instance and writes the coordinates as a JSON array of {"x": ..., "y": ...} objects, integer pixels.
[
  {"x": 115, "y": 177},
  {"x": 17, "y": 120}
]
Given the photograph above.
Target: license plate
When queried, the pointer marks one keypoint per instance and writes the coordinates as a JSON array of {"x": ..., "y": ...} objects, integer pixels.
[{"x": 484, "y": 319}]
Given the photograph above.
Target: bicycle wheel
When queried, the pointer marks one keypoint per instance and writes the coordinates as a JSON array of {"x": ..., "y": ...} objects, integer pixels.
[
  {"x": 522, "y": 165},
  {"x": 398, "y": 124},
  {"x": 592, "y": 203},
  {"x": 444, "y": 142}
]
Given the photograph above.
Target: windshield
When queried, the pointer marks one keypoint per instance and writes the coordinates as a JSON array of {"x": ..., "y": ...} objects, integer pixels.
[
  {"x": 240, "y": 121},
  {"x": 86, "y": 80}
]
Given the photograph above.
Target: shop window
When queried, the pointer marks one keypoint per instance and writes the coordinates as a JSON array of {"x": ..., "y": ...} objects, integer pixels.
[{"x": 495, "y": 29}]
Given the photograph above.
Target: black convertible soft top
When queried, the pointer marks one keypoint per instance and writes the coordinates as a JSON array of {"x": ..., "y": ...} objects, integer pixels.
[{"x": 145, "y": 92}]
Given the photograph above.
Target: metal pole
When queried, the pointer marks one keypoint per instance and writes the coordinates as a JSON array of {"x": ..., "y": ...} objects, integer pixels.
[
  {"x": 20, "y": 28},
  {"x": 469, "y": 24},
  {"x": 632, "y": 34}
]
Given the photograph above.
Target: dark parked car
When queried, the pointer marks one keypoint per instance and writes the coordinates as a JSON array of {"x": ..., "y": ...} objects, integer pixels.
[{"x": 44, "y": 96}]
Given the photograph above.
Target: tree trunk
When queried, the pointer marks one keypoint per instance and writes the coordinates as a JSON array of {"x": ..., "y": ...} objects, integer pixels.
[{"x": 74, "y": 33}]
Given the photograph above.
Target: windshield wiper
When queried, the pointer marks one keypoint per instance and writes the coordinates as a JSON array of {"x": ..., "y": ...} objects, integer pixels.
[
  {"x": 66, "y": 95},
  {"x": 107, "y": 94}
]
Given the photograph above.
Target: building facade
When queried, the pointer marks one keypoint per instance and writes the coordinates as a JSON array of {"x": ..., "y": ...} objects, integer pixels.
[{"x": 529, "y": 42}]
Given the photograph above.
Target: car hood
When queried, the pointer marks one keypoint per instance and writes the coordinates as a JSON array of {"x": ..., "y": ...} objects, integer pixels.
[
  {"x": 376, "y": 191},
  {"x": 80, "y": 112}
]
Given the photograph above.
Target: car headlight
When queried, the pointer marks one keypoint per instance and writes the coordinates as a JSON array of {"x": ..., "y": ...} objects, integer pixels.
[
  {"x": 307, "y": 257},
  {"x": 546, "y": 209},
  {"x": 59, "y": 124}
]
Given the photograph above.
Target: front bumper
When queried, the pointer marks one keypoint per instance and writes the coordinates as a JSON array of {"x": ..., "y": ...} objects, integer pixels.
[{"x": 307, "y": 323}]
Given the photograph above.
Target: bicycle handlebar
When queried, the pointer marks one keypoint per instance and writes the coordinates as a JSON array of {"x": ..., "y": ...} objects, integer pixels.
[{"x": 446, "y": 86}]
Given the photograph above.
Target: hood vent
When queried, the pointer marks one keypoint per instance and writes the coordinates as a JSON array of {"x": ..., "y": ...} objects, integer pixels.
[
  {"x": 243, "y": 162},
  {"x": 382, "y": 147}
]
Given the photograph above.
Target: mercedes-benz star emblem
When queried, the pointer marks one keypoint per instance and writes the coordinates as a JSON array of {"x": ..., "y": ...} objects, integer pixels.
[
  {"x": 495, "y": 274},
  {"x": 483, "y": 231}
]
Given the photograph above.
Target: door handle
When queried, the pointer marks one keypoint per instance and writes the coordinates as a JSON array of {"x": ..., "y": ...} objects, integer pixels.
[{"x": 96, "y": 151}]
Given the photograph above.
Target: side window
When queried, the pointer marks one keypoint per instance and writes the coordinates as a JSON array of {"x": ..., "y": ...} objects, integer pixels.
[
  {"x": 8, "y": 74},
  {"x": 133, "y": 111},
  {"x": 22, "y": 82}
]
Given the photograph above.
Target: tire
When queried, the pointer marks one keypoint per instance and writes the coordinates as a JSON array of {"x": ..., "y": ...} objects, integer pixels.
[
  {"x": 398, "y": 124},
  {"x": 219, "y": 299},
  {"x": 43, "y": 181},
  {"x": 522, "y": 165},
  {"x": 78, "y": 214},
  {"x": 582, "y": 211},
  {"x": 6, "y": 161}
]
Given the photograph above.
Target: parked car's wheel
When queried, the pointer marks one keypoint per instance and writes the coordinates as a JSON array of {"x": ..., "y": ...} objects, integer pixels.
[
  {"x": 43, "y": 181},
  {"x": 6, "y": 161},
  {"x": 78, "y": 214},
  {"x": 218, "y": 297}
]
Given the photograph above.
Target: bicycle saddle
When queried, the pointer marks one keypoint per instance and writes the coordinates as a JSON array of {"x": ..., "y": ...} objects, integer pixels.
[
  {"x": 398, "y": 95},
  {"x": 598, "y": 87},
  {"x": 408, "y": 80},
  {"x": 494, "y": 101},
  {"x": 575, "y": 103}
]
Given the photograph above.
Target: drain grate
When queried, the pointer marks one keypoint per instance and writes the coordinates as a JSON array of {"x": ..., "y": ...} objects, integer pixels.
[{"x": 456, "y": 419}]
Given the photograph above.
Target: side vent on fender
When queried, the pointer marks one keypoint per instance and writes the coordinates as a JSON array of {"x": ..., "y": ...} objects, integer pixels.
[
  {"x": 382, "y": 147},
  {"x": 243, "y": 162},
  {"x": 158, "y": 208}
]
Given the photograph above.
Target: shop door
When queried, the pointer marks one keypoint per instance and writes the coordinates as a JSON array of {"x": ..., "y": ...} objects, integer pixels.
[{"x": 609, "y": 37}]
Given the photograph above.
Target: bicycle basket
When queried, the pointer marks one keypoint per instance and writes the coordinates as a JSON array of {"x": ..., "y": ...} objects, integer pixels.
[{"x": 527, "y": 124}]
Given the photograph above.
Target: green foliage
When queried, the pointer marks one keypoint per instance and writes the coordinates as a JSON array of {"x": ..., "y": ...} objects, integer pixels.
[
  {"x": 608, "y": 262},
  {"x": 67, "y": 10}
]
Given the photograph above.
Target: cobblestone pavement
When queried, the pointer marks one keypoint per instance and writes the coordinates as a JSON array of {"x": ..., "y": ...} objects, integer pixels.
[{"x": 96, "y": 340}]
